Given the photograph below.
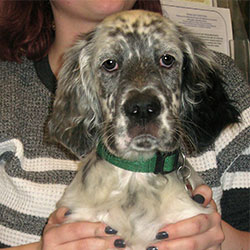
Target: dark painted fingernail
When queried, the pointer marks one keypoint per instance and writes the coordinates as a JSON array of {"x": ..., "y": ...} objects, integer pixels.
[
  {"x": 152, "y": 248},
  {"x": 69, "y": 212},
  {"x": 110, "y": 230},
  {"x": 199, "y": 198},
  {"x": 162, "y": 235},
  {"x": 119, "y": 243}
]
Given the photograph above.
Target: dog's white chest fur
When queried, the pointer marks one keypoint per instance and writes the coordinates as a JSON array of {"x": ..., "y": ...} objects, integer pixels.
[{"x": 137, "y": 205}]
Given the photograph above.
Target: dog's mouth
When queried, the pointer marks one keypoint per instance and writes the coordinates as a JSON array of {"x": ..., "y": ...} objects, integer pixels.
[
  {"x": 144, "y": 143},
  {"x": 144, "y": 138},
  {"x": 137, "y": 142}
]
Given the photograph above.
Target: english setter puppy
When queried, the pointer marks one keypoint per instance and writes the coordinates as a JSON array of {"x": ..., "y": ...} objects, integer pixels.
[{"x": 131, "y": 96}]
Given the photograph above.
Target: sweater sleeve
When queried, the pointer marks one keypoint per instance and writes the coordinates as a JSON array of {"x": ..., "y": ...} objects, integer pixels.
[
  {"x": 225, "y": 164},
  {"x": 33, "y": 171},
  {"x": 233, "y": 148}
]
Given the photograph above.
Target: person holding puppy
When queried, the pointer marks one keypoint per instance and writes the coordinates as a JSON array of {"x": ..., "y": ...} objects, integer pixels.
[{"x": 35, "y": 171}]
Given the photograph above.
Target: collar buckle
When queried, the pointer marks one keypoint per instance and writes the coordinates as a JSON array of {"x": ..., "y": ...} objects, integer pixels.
[{"x": 166, "y": 162}]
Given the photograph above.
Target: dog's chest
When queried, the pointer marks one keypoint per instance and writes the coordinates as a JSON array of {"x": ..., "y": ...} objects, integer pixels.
[{"x": 137, "y": 205}]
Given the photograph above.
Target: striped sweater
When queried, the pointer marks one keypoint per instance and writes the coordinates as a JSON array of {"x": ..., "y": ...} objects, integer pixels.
[{"x": 34, "y": 171}]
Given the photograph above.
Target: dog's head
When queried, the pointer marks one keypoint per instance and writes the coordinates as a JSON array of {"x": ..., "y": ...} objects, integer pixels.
[{"x": 142, "y": 84}]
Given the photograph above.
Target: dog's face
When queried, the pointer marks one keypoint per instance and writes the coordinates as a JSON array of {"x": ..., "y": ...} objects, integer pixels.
[
  {"x": 138, "y": 70},
  {"x": 137, "y": 82}
]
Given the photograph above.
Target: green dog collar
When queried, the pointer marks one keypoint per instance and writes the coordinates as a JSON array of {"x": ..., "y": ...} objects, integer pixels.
[{"x": 162, "y": 163}]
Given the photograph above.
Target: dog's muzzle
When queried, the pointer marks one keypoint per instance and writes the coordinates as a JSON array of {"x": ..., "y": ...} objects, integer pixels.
[{"x": 142, "y": 110}]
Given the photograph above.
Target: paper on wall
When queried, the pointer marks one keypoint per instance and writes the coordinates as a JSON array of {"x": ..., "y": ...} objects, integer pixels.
[{"x": 211, "y": 24}]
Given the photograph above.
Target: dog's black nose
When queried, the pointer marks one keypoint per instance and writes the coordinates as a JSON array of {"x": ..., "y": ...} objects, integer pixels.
[{"x": 142, "y": 108}]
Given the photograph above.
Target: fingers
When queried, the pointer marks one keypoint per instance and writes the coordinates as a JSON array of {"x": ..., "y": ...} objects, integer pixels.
[
  {"x": 78, "y": 229},
  {"x": 199, "y": 232},
  {"x": 78, "y": 235},
  {"x": 193, "y": 226},
  {"x": 73, "y": 231},
  {"x": 198, "y": 242},
  {"x": 205, "y": 192}
]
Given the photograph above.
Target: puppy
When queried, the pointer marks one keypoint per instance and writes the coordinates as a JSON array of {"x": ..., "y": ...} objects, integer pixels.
[{"x": 133, "y": 97}]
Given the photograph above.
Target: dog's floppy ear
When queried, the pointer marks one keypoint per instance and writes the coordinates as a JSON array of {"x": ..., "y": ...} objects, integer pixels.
[
  {"x": 76, "y": 115},
  {"x": 206, "y": 107}
]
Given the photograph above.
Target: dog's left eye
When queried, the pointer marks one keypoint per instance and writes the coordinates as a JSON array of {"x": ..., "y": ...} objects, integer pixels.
[
  {"x": 167, "y": 61},
  {"x": 110, "y": 65}
]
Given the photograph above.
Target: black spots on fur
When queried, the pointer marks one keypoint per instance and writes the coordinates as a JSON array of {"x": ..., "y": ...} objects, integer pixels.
[
  {"x": 133, "y": 38},
  {"x": 121, "y": 19},
  {"x": 136, "y": 193},
  {"x": 159, "y": 31},
  {"x": 177, "y": 97},
  {"x": 131, "y": 201},
  {"x": 115, "y": 32},
  {"x": 139, "y": 31},
  {"x": 156, "y": 27},
  {"x": 153, "y": 23},
  {"x": 135, "y": 25}
]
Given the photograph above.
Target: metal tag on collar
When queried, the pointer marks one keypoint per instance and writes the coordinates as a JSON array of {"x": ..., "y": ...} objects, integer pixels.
[
  {"x": 165, "y": 162},
  {"x": 184, "y": 174}
]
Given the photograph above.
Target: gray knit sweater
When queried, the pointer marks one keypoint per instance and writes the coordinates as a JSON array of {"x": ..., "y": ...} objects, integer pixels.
[{"x": 35, "y": 171}]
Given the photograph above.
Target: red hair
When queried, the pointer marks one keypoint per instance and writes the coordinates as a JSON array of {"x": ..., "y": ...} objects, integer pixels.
[{"x": 26, "y": 27}]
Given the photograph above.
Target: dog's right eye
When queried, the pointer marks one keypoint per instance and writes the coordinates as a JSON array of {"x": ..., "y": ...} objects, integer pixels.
[
  {"x": 110, "y": 65},
  {"x": 167, "y": 61}
]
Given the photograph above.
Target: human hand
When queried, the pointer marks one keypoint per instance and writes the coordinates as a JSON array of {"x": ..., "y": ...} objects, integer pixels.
[
  {"x": 77, "y": 235},
  {"x": 202, "y": 232}
]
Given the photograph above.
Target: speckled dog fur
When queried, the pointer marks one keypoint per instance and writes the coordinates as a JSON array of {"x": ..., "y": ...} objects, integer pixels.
[{"x": 136, "y": 56}]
